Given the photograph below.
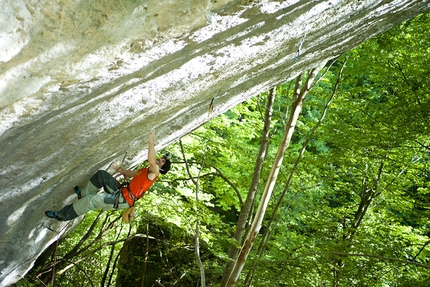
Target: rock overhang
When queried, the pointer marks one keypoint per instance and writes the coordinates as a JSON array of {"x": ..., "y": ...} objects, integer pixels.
[{"x": 82, "y": 84}]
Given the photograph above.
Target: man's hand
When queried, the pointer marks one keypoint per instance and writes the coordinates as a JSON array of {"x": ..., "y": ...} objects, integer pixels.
[{"x": 115, "y": 166}]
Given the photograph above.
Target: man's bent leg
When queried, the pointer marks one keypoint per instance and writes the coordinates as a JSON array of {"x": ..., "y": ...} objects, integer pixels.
[
  {"x": 79, "y": 208},
  {"x": 107, "y": 202},
  {"x": 102, "y": 200},
  {"x": 100, "y": 179}
]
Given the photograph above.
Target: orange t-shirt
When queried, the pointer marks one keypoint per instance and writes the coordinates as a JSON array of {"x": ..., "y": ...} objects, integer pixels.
[{"x": 138, "y": 186}]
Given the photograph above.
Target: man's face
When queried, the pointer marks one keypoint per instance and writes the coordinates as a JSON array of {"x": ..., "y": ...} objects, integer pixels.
[{"x": 160, "y": 161}]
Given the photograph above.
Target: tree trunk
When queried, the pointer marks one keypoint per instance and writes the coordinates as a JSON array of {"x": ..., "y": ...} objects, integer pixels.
[
  {"x": 265, "y": 237},
  {"x": 197, "y": 236},
  {"x": 298, "y": 99},
  {"x": 246, "y": 208}
]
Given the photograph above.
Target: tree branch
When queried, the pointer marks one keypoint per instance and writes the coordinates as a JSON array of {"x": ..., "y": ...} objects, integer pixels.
[
  {"x": 355, "y": 255},
  {"x": 217, "y": 173},
  {"x": 220, "y": 174}
]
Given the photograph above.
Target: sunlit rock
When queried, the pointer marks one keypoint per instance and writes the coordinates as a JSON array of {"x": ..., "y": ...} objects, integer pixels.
[{"x": 83, "y": 82}]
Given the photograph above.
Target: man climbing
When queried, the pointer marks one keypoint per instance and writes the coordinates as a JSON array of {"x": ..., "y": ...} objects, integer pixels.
[{"x": 115, "y": 195}]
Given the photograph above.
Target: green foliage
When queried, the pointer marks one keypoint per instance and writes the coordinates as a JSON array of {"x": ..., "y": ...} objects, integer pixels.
[{"x": 379, "y": 118}]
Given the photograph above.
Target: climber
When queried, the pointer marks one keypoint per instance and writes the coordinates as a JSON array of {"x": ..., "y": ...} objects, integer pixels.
[{"x": 115, "y": 195}]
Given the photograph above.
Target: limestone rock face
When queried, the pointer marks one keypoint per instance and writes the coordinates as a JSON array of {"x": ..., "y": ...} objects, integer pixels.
[{"x": 82, "y": 82}]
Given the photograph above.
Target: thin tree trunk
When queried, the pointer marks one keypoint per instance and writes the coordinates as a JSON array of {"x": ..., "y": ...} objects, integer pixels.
[
  {"x": 112, "y": 252},
  {"x": 246, "y": 209},
  {"x": 142, "y": 280},
  {"x": 113, "y": 269},
  {"x": 299, "y": 97},
  {"x": 43, "y": 274},
  {"x": 269, "y": 228},
  {"x": 197, "y": 237}
]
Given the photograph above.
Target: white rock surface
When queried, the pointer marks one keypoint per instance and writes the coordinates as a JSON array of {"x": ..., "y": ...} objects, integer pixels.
[{"x": 81, "y": 81}]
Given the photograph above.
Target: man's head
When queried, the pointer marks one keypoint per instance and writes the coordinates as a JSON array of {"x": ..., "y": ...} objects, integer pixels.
[{"x": 164, "y": 163}]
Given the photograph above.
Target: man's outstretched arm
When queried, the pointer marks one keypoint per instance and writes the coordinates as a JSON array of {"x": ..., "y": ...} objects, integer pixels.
[
  {"x": 152, "y": 159},
  {"x": 123, "y": 171}
]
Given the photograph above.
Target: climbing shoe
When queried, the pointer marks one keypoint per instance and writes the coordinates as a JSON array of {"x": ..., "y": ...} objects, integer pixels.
[
  {"x": 53, "y": 214},
  {"x": 78, "y": 192}
]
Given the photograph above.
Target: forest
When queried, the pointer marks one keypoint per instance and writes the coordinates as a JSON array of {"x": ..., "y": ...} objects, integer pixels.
[{"x": 321, "y": 181}]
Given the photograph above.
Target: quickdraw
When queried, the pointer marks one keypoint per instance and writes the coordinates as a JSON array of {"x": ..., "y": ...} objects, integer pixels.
[{"x": 299, "y": 50}]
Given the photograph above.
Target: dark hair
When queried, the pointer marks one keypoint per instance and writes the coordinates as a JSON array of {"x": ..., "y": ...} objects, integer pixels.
[{"x": 166, "y": 166}]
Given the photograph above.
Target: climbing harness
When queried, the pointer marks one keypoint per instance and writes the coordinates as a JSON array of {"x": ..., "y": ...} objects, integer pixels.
[
  {"x": 119, "y": 193},
  {"x": 299, "y": 50}
]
